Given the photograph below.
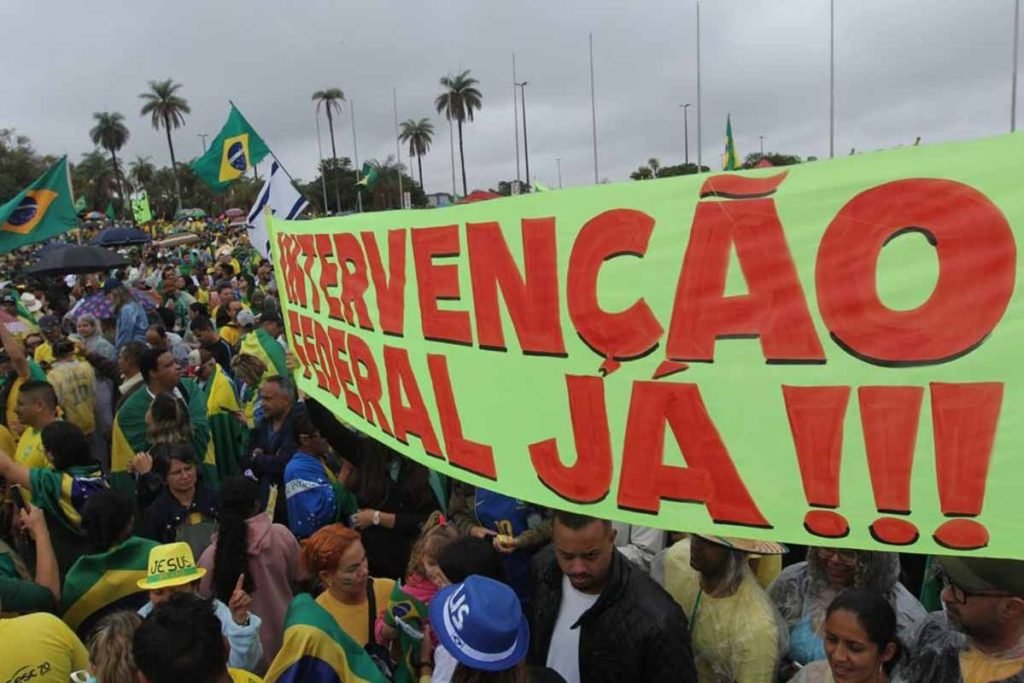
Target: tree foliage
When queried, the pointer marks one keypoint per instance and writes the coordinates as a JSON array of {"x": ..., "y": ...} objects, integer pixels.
[
  {"x": 654, "y": 169},
  {"x": 774, "y": 158},
  {"x": 20, "y": 164}
]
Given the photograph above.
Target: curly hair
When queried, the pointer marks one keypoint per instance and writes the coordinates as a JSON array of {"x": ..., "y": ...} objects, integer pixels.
[
  {"x": 323, "y": 550},
  {"x": 110, "y": 647},
  {"x": 239, "y": 497},
  {"x": 435, "y": 537}
]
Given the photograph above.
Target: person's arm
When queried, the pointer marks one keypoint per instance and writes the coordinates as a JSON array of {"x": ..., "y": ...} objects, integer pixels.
[
  {"x": 242, "y": 629},
  {"x": 537, "y": 536},
  {"x": 343, "y": 440},
  {"x": 13, "y": 472},
  {"x": 461, "y": 513},
  {"x": 16, "y": 351},
  {"x": 47, "y": 572}
]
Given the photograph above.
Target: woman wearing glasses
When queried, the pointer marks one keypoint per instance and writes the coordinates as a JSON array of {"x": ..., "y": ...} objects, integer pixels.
[{"x": 803, "y": 592}]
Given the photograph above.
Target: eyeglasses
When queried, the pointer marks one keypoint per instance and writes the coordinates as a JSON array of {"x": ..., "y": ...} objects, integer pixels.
[
  {"x": 960, "y": 594},
  {"x": 848, "y": 557}
]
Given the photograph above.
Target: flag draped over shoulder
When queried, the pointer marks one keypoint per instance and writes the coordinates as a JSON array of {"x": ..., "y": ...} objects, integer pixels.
[
  {"x": 98, "y": 584},
  {"x": 730, "y": 161},
  {"x": 235, "y": 150},
  {"x": 261, "y": 344},
  {"x": 225, "y": 431},
  {"x": 408, "y": 615},
  {"x": 42, "y": 210},
  {"x": 316, "y": 649},
  {"x": 283, "y": 200}
]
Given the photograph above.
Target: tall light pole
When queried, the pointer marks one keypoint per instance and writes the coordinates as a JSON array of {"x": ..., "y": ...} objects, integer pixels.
[
  {"x": 398, "y": 149},
  {"x": 203, "y": 136},
  {"x": 832, "y": 78},
  {"x": 526, "y": 144},
  {"x": 320, "y": 156},
  {"x": 355, "y": 156},
  {"x": 686, "y": 134},
  {"x": 593, "y": 106},
  {"x": 700, "y": 165},
  {"x": 515, "y": 112},
  {"x": 558, "y": 162},
  {"x": 1013, "y": 84},
  {"x": 761, "y": 138}
]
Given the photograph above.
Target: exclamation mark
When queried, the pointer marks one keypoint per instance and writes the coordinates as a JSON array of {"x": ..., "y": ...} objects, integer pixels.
[
  {"x": 964, "y": 419},
  {"x": 889, "y": 417},
  {"x": 816, "y": 416}
]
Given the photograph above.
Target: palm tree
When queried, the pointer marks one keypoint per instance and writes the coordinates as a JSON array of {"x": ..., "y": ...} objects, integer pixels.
[
  {"x": 111, "y": 134},
  {"x": 166, "y": 108},
  {"x": 142, "y": 170},
  {"x": 93, "y": 175},
  {"x": 460, "y": 98},
  {"x": 654, "y": 165},
  {"x": 419, "y": 135},
  {"x": 331, "y": 100}
]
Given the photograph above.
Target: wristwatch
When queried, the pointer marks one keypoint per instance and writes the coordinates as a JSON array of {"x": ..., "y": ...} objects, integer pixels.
[{"x": 376, "y": 517}]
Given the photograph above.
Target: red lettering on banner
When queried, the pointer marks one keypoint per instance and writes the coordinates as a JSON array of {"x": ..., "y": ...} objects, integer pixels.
[
  {"x": 294, "y": 280},
  {"x": 412, "y": 417},
  {"x": 710, "y": 476},
  {"x": 328, "y": 274},
  {"x": 774, "y": 310},
  {"x": 468, "y": 455},
  {"x": 625, "y": 335},
  {"x": 307, "y": 247},
  {"x": 439, "y": 282},
  {"x": 353, "y": 279},
  {"x": 590, "y": 477},
  {"x": 326, "y": 358},
  {"x": 298, "y": 344},
  {"x": 308, "y": 339},
  {"x": 339, "y": 355},
  {"x": 389, "y": 289},
  {"x": 977, "y": 258},
  {"x": 364, "y": 367},
  {"x": 531, "y": 296}
]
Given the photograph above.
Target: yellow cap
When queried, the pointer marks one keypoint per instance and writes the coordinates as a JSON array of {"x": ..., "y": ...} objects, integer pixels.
[{"x": 171, "y": 564}]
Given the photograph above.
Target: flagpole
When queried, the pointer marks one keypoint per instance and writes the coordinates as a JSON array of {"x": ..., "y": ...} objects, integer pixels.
[
  {"x": 515, "y": 113},
  {"x": 700, "y": 139},
  {"x": 1013, "y": 84},
  {"x": 71, "y": 189},
  {"x": 398, "y": 148},
  {"x": 355, "y": 155},
  {"x": 593, "y": 106},
  {"x": 451, "y": 145},
  {"x": 320, "y": 153}
]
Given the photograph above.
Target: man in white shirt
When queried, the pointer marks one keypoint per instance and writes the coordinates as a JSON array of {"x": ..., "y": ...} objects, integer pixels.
[{"x": 597, "y": 616}]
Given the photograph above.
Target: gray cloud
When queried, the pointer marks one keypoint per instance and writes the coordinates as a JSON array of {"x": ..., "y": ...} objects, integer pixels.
[{"x": 935, "y": 68}]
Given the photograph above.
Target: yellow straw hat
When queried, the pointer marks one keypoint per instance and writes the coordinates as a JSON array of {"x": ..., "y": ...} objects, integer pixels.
[
  {"x": 747, "y": 545},
  {"x": 171, "y": 564}
]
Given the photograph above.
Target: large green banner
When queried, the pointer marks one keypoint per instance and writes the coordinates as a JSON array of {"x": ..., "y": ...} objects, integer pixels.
[{"x": 827, "y": 353}]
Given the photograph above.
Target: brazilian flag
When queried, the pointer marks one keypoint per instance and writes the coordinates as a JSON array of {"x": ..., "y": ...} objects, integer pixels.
[
  {"x": 261, "y": 344},
  {"x": 370, "y": 177},
  {"x": 408, "y": 615},
  {"x": 316, "y": 649},
  {"x": 730, "y": 160},
  {"x": 42, "y": 210},
  {"x": 235, "y": 150},
  {"x": 226, "y": 433}
]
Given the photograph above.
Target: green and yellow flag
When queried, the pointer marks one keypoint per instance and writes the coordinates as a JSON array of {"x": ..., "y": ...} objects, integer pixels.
[
  {"x": 101, "y": 583},
  {"x": 730, "y": 160},
  {"x": 370, "y": 176},
  {"x": 42, "y": 210},
  {"x": 140, "y": 207},
  {"x": 235, "y": 150},
  {"x": 408, "y": 615},
  {"x": 261, "y": 344}
]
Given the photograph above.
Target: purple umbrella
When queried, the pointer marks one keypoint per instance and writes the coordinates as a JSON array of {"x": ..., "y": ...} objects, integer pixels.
[
  {"x": 96, "y": 304},
  {"x": 145, "y": 298}
]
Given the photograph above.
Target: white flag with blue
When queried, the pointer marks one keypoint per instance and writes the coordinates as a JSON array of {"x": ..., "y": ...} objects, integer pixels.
[{"x": 284, "y": 201}]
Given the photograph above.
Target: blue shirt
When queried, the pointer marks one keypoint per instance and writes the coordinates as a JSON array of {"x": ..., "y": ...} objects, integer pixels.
[
  {"x": 132, "y": 324},
  {"x": 311, "y": 498}
]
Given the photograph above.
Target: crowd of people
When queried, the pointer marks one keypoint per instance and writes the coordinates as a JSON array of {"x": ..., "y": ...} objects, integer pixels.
[{"x": 174, "y": 509}]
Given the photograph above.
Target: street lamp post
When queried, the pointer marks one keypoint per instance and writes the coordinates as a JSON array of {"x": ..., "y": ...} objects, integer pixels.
[
  {"x": 686, "y": 134},
  {"x": 761, "y": 138},
  {"x": 558, "y": 162},
  {"x": 526, "y": 144},
  {"x": 203, "y": 137}
]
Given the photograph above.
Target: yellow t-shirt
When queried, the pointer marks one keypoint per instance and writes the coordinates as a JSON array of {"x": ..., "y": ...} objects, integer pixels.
[
  {"x": 75, "y": 385},
  {"x": 231, "y": 334},
  {"x": 353, "y": 618},
  {"x": 978, "y": 667},
  {"x": 41, "y": 648},
  {"x": 242, "y": 676},
  {"x": 30, "y": 453},
  {"x": 43, "y": 353}
]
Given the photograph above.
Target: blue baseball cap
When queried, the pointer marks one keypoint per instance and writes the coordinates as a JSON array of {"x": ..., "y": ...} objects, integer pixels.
[{"x": 481, "y": 623}]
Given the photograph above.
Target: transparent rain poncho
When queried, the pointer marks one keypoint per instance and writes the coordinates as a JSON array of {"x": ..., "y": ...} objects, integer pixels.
[
  {"x": 740, "y": 637},
  {"x": 802, "y": 593},
  {"x": 939, "y": 653}
]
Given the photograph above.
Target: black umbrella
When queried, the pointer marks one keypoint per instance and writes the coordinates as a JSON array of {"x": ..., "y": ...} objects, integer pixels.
[
  {"x": 119, "y": 237},
  {"x": 77, "y": 259}
]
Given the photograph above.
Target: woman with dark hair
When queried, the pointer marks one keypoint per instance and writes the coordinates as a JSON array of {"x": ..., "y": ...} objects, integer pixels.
[
  {"x": 106, "y": 580},
  {"x": 248, "y": 543},
  {"x": 860, "y": 641},
  {"x": 185, "y": 509}
]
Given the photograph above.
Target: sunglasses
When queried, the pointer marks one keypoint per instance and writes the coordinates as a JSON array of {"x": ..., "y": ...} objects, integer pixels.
[{"x": 960, "y": 594}]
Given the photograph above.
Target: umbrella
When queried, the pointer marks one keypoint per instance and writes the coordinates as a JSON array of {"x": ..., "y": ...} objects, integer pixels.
[
  {"x": 234, "y": 213},
  {"x": 77, "y": 259},
  {"x": 94, "y": 216},
  {"x": 116, "y": 237},
  {"x": 148, "y": 298},
  {"x": 47, "y": 248},
  {"x": 96, "y": 304}
]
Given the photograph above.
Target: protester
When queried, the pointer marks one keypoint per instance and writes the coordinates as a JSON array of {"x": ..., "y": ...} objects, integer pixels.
[
  {"x": 92, "y": 339},
  {"x": 37, "y": 409},
  {"x": 110, "y": 648},
  {"x": 49, "y": 325},
  {"x": 39, "y": 648},
  {"x": 226, "y": 432},
  {"x": 272, "y": 443},
  {"x": 132, "y": 321},
  {"x": 803, "y": 591},
  {"x": 210, "y": 340},
  {"x": 315, "y": 496},
  {"x": 738, "y": 635},
  {"x": 17, "y": 369},
  {"x": 19, "y": 592},
  {"x": 172, "y": 570},
  {"x": 185, "y": 509},
  {"x": 106, "y": 580},
  {"x": 248, "y": 543},
  {"x": 74, "y": 382},
  {"x": 335, "y": 556},
  {"x": 597, "y": 617},
  {"x": 860, "y": 641},
  {"x": 250, "y": 372},
  {"x": 159, "y": 338},
  {"x": 231, "y": 330},
  {"x": 264, "y": 343},
  {"x": 181, "y": 641},
  {"x": 177, "y": 300}
]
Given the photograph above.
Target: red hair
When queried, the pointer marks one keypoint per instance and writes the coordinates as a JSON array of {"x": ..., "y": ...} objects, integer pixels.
[{"x": 323, "y": 550}]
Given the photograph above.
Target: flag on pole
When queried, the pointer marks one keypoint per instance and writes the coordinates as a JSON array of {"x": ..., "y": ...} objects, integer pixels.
[
  {"x": 42, "y": 210},
  {"x": 730, "y": 160},
  {"x": 235, "y": 150},
  {"x": 140, "y": 207},
  {"x": 370, "y": 176},
  {"x": 110, "y": 210},
  {"x": 284, "y": 202},
  {"x": 80, "y": 205}
]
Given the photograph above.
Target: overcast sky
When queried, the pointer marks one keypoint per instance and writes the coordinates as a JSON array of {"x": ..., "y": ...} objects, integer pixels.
[{"x": 935, "y": 68}]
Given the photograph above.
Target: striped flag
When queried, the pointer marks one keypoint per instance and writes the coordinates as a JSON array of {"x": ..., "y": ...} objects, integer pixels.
[
  {"x": 261, "y": 344},
  {"x": 408, "y": 615},
  {"x": 730, "y": 160},
  {"x": 226, "y": 434},
  {"x": 316, "y": 649},
  {"x": 99, "y": 584},
  {"x": 284, "y": 202}
]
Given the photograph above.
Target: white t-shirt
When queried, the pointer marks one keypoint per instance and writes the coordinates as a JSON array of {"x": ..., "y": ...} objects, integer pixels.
[{"x": 564, "y": 653}]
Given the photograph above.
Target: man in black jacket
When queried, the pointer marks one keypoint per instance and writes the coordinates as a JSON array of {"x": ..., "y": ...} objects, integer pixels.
[{"x": 596, "y": 617}]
